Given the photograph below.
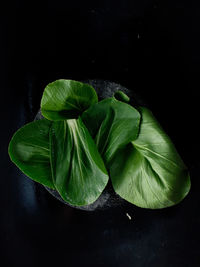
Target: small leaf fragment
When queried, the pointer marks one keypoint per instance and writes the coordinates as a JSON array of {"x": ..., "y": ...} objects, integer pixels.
[{"x": 121, "y": 96}]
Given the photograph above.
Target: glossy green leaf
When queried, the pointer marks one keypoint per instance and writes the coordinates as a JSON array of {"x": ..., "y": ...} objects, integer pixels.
[
  {"x": 29, "y": 150},
  {"x": 79, "y": 173},
  {"x": 149, "y": 172},
  {"x": 121, "y": 96},
  {"x": 112, "y": 124},
  {"x": 66, "y": 99}
]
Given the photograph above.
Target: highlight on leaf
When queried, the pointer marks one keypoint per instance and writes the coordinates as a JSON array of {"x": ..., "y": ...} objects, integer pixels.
[{"x": 66, "y": 99}]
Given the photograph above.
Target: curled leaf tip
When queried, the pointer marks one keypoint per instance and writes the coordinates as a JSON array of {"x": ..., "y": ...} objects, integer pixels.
[{"x": 121, "y": 96}]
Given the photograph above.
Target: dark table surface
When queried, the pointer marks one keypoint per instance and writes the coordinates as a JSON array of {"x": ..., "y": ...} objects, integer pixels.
[{"x": 151, "y": 47}]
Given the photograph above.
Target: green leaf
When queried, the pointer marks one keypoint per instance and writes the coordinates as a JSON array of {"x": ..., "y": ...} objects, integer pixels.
[
  {"x": 121, "y": 96},
  {"x": 79, "y": 173},
  {"x": 29, "y": 150},
  {"x": 112, "y": 124},
  {"x": 149, "y": 172},
  {"x": 66, "y": 99}
]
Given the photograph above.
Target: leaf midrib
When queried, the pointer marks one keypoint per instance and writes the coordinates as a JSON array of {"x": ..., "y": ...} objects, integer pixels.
[{"x": 155, "y": 153}]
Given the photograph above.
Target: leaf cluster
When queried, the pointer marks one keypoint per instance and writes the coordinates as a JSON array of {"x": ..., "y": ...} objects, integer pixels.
[{"x": 82, "y": 143}]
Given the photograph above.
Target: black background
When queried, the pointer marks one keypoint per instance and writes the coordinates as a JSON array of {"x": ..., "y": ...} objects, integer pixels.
[{"x": 151, "y": 47}]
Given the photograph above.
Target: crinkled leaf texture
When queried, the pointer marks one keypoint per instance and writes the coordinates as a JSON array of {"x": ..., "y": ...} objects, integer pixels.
[
  {"x": 66, "y": 99},
  {"x": 78, "y": 170},
  {"x": 29, "y": 150},
  {"x": 149, "y": 172},
  {"x": 112, "y": 124}
]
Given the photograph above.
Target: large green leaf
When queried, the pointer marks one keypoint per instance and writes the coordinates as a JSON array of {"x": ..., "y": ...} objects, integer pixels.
[
  {"x": 66, "y": 99},
  {"x": 29, "y": 150},
  {"x": 148, "y": 172},
  {"x": 112, "y": 124},
  {"x": 79, "y": 173}
]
